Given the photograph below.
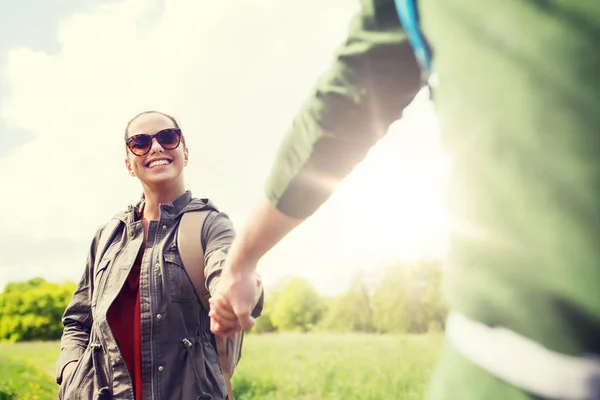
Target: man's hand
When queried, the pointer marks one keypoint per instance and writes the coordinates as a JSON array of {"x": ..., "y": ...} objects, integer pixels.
[
  {"x": 232, "y": 305},
  {"x": 239, "y": 286}
]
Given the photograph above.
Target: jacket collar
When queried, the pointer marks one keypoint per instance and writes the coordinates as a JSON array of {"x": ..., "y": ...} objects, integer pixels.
[
  {"x": 184, "y": 203},
  {"x": 177, "y": 205}
]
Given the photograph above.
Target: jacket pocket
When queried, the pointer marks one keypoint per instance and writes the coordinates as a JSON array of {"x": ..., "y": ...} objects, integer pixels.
[
  {"x": 180, "y": 286},
  {"x": 65, "y": 385},
  {"x": 89, "y": 378},
  {"x": 80, "y": 377}
]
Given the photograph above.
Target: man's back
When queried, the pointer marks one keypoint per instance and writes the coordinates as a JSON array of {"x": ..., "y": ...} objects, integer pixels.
[{"x": 517, "y": 103}]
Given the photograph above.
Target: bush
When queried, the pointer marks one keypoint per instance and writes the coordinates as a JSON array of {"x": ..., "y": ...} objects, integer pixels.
[
  {"x": 32, "y": 310},
  {"x": 298, "y": 307},
  {"x": 7, "y": 393}
]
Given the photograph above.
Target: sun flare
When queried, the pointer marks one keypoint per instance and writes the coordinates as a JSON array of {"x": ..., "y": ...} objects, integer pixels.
[{"x": 394, "y": 200}]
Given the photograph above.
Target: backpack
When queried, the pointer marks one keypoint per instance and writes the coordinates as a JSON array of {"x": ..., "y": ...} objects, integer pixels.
[{"x": 229, "y": 350}]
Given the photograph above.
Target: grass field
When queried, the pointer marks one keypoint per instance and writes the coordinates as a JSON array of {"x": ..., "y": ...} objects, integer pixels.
[{"x": 275, "y": 367}]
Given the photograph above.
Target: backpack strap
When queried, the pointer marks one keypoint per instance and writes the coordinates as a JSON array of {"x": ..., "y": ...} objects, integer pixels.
[
  {"x": 409, "y": 18},
  {"x": 189, "y": 243}
]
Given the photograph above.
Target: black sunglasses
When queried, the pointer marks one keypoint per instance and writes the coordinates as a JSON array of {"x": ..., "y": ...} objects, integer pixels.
[{"x": 141, "y": 144}]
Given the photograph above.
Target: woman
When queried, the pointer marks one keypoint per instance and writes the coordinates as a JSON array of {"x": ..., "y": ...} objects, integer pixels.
[{"x": 134, "y": 328}]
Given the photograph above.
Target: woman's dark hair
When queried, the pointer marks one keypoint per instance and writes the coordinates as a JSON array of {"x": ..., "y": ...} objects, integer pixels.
[{"x": 155, "y": 112}]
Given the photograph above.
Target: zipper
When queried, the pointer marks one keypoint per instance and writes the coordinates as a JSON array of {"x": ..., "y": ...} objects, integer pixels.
[
  {"x": 151, "y": 326},
  {"x": 153, "y": 383}
]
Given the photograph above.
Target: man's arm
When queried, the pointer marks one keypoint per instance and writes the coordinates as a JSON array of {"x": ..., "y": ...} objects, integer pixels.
[
  {"x": 263, "y": 230},
  {"x": 77, "y": 318},
  {"x": 373, "y": 77},
  {"x": 218, "y": 237}
]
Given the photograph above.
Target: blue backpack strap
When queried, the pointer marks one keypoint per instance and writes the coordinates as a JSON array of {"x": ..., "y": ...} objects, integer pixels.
[{"x": 409, "y": 18}]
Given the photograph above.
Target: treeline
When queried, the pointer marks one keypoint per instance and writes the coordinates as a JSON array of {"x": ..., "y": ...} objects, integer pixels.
[
  {"x": 33, "y": 310},
  {"x": 406, "y": 299}
]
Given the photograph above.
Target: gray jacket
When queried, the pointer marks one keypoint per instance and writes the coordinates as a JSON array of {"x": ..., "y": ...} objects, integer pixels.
[{"x": 170, "y": 313}]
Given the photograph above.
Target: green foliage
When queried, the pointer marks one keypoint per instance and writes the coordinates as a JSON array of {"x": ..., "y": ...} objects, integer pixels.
[
  {"x": 298, "y": 307},
  {"x": 264, "y": 323},
  {"x": 350, "y": 312},
  {"x": 407, "y": 300},
  {"x": 429, "y": 299},
  {"x": 410, "y": 299},
  {"x": 6, "y": 392},
  {"x": 391, "y": 301},
  {"x": 32, "y": 310}
]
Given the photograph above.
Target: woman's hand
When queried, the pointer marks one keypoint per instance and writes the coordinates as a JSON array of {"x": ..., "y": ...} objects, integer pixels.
[
  {"x": 223, "y": 321},
  {"x": 68, "y": 370}
]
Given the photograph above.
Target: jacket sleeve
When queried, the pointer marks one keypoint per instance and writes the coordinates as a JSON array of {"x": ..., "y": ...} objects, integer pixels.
[
  {"x": 218, "y": 234},
  {"x": 77, "y": 318},
  {"x": 372, "y": 78}
]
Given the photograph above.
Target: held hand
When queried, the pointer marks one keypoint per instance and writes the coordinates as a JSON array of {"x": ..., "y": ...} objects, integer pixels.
[
  {"x": 239, "y": 283},
  {"x": 237, "y": 295},
  {"x": 223, "y": 321}
]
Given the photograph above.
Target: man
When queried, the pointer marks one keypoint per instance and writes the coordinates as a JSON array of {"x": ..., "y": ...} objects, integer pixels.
[{"x": 518, "y": 104}]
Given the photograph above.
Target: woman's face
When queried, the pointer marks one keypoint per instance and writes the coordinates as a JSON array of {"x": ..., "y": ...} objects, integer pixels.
[{"x": 159, "y": 166}]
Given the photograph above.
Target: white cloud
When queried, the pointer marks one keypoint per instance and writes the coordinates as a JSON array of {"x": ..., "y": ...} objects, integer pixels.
[{"x": 234, "y": 73}]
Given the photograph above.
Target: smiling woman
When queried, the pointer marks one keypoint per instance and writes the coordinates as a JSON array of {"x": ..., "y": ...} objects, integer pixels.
[{"x": 135, "y": 328}]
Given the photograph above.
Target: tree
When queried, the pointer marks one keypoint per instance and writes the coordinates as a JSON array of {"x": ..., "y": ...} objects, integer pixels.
[
  {"x": 433, "y": 308},
  {"x": 351, "y": 311},
  {"x": 32, "y": 310},
  {"x": 298, "y": 307},
  {"x": 264, "y": 323},
  {"x": 410, "y": 298},
  {"x": 391, "y": 301}
]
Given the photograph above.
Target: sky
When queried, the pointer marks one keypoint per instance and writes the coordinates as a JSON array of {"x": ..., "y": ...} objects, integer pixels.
[{"x": 234, "y": 74}]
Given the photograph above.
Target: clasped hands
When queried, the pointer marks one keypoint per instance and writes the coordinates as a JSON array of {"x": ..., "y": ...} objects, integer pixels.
[{"x": 231, "y": 306}]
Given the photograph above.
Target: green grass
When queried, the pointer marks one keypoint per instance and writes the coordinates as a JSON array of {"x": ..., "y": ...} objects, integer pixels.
[
  {"x": 27, "y": 370},
  {"x": 277, "y": 366},
  {"x": 334, "y": 366}
]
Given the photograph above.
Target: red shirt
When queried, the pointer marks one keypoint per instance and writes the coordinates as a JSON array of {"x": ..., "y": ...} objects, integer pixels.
[{"x": 124, "y": 317}]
